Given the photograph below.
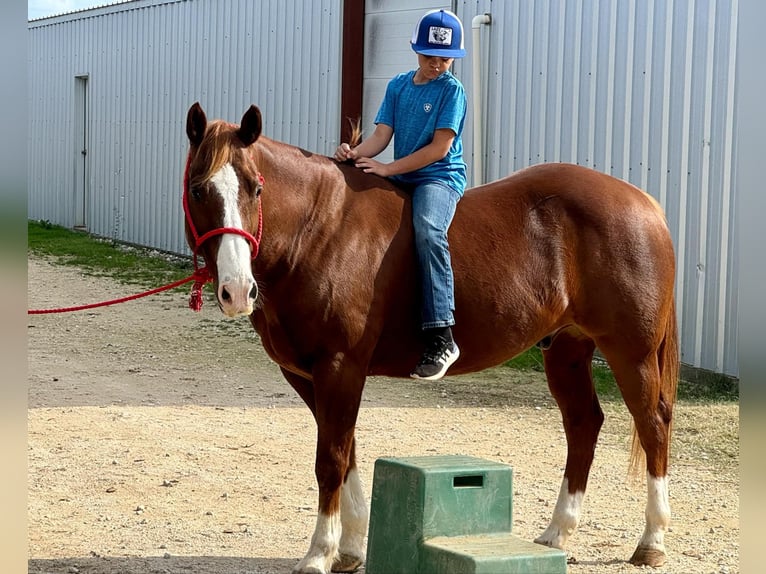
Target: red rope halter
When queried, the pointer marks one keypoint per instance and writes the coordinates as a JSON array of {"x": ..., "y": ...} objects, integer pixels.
[{"x": 202, "y": 275}]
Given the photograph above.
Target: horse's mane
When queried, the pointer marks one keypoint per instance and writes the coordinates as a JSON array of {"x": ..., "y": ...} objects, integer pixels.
[
  {"x": 217, "y": 149},
  {"x": 355, "y": 137},
  {"x": 219, "y": 146}
]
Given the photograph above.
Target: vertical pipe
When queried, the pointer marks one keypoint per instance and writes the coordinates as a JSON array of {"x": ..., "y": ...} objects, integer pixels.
[{"x": 478, "y": 147}]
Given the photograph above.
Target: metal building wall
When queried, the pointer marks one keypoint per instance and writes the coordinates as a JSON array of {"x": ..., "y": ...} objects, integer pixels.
[
  {"x": 142, "y": 64},
  {"x": 388, "y": 30},
  {"x": 640, "y": 89}
]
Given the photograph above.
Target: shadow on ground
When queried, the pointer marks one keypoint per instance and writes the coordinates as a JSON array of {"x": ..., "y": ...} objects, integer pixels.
[{"x": 161, "y": 565}]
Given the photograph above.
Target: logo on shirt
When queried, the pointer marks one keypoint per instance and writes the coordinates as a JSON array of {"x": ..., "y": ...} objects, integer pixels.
[{"x": 427, "y": 107}]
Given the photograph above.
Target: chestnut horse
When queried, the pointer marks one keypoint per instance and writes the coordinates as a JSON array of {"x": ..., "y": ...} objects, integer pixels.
[{"x": 555, "y": 253}]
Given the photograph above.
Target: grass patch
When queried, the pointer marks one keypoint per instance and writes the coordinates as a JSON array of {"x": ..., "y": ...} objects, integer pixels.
[
  {"x": 105, "y": 258},
  {"x": 717, "y": 389},
  {"x": 150, "y": 268},
  {"x": 532, "y": 360}
]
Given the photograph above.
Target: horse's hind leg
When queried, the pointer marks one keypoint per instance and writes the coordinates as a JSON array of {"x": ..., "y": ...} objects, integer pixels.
[
  {"x": 568, "y": 368},
  {"x": 641, "y": 386}
]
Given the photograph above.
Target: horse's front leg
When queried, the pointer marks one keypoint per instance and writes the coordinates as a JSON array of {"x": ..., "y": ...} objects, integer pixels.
[
  {"x": 338, "y": 540},
  {"x": 338, "y": 543}
]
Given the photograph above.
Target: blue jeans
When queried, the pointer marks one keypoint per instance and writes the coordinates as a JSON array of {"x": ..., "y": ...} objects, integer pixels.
[{"x": 433, "y": 207}]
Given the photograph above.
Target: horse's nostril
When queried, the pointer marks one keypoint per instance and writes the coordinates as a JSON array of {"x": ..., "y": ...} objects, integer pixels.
[
  {"x": 225, "y": 295},
  {"x": 254, "y": 291}
]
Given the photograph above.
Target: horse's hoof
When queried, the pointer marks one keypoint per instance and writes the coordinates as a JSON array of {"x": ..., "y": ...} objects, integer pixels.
[
  {"x": 551, "y": 540},
  {"x": 301, "y": 568},
  {"x": 346, "y": 563},
  {"x": 644, "y": 556}
]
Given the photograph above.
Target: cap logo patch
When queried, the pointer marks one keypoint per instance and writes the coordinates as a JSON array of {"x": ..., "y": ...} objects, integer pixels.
[{"x": 440, "y": 35}]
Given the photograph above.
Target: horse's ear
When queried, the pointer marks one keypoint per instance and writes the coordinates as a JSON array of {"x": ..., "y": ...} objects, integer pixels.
[
  {"x": 250, "y": 128},
  {"x": 196, "y": 122}
]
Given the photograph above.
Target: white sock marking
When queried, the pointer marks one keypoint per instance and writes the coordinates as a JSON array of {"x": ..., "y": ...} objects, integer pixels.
[
  {"x": 566, "y": 517},
  {"x": 353, "y": 516},
  {"x": 324, "y": 544},
  {"x": 657, "y": 513}
]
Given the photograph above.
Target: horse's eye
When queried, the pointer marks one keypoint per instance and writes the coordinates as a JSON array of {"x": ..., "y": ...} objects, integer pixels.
[
  {"x": 258, "y": 184},
  {"x": 195, "y": 193},
  {"x": 253, "y": 188}
]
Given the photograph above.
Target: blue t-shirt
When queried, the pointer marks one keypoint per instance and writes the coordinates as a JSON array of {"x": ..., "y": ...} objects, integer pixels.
[{"x": 415, "y": 112}]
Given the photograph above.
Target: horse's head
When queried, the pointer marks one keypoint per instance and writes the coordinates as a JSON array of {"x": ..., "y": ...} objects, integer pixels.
[{"x": 221, "y": 190}]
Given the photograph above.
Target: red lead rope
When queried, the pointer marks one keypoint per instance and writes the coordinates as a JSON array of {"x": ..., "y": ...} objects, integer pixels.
[
  {"x": 113, "y": 301},
  {"x": 202, "y": 275}
]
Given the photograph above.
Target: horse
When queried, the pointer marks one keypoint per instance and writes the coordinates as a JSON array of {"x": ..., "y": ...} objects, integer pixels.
[{"x": 320, "y": 256}]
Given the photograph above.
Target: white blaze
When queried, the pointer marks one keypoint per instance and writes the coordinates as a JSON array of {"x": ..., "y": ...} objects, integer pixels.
[
  {"x": 235, "y": 276},
  {"x": 233, "y": 260}
]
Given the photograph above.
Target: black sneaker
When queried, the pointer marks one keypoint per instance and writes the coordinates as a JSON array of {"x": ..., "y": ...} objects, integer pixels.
[{"x": 436, "y": 359}]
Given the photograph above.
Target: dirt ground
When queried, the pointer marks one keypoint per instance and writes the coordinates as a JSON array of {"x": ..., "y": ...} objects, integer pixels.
[{"x": 165, "y": 441}]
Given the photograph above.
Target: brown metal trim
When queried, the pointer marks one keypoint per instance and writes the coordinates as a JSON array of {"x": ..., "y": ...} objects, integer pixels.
[{"x": 352, "y": 66}]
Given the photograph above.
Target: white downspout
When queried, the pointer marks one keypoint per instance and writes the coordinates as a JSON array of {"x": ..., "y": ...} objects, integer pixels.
[{"x": 478, "y": 136}]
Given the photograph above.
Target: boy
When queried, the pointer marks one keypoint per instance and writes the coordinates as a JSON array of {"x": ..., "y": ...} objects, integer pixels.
[{"x": 424, "y": 111}]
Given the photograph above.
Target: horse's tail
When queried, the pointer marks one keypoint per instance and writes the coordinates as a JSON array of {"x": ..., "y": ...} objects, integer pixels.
[
  {"x": 355, "y": 136},
  {"x": 670, "y": 367}
]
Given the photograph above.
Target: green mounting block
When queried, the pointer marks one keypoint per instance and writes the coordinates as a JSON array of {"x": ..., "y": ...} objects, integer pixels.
[{"x": 449, "y": 514}]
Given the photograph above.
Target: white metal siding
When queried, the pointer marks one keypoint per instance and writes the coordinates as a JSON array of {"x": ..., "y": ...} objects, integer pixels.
[
  {"x": 146, "y": 62},
  {"x": 641, "y": 89},
  {"x": 388, "y": 26}
]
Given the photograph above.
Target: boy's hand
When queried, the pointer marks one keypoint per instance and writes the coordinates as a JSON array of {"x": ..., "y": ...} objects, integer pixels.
[
  {"x": 344, "y": 153},
  {"x": 369, "y": 165}
]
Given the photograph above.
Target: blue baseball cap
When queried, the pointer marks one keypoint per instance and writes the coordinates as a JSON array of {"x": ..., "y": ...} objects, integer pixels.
[{"x": 439, "y": 33}]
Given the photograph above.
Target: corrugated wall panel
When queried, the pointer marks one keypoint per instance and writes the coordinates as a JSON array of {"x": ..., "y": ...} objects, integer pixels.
[
  {"x": 641, "y": 89},
  {"x": 146, "y": 62},
  {"x": 387, "y": 52}
]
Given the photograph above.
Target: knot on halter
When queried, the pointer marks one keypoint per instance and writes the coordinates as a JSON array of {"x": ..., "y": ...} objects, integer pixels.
[{"x": 201, "y": 276}]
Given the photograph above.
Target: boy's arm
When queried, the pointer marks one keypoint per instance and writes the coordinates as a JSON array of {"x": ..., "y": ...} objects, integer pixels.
[
  {"x": 374, "y": 144},
  {"x": 428, "y": 154},
  {"x": 370, "y": 147}
]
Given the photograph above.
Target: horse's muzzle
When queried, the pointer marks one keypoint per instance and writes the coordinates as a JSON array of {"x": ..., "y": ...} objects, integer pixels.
[{"x": 237, "y": 297}]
